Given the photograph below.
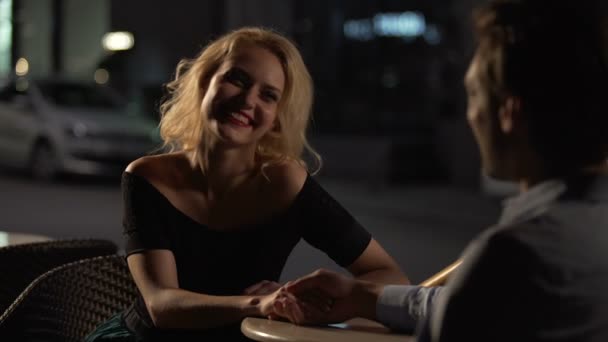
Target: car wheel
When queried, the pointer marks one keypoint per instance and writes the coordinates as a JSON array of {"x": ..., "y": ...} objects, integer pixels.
[{"x": 43, "y": 163}]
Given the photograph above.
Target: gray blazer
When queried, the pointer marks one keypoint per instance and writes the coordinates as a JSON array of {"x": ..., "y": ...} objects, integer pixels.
[{"x": 540, "y": 275}]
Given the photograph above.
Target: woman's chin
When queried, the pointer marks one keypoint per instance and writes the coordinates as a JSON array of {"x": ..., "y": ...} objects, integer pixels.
[{"x": 230, "y": 138}]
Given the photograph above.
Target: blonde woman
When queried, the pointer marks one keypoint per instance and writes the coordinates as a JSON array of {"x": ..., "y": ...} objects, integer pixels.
[{"x": 210, "y": 225}]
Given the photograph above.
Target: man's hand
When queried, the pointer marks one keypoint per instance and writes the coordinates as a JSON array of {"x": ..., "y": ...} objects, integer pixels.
[
  {"x": 264, "y": 287},
  {"x": 271, "y": 305},
  {"x": 328, "y": 297}
]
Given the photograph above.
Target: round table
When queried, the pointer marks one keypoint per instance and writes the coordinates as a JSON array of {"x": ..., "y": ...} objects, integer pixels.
[
  {"x": 354, "y": 330},
  {"x": 10, "y": 238}
]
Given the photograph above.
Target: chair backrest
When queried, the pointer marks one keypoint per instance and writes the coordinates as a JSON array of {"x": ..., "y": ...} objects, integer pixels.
[
  {"x": 68, "y": 302},
  {"x": 441, "y": 277},
  {"x": 21, "y": 264}
]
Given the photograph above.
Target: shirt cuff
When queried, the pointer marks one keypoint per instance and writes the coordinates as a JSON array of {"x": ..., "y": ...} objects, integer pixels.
[
  {"x": 392, "y": 307},
  {"x": 401, "y": 307}
]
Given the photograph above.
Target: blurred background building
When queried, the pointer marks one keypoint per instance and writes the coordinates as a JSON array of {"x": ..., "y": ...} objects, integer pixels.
[
  {"x": 389, "y": 116},
  {"x": 388, "y": 74}
]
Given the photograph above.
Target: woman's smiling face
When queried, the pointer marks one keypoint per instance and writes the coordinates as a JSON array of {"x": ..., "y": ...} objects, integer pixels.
[{"x": 244, "y": 94}]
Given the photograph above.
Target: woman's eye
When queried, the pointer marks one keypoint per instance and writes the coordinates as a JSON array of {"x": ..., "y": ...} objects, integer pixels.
[
  {"x": 236, "y": 79},
  {"x": 270, "y": 97}
]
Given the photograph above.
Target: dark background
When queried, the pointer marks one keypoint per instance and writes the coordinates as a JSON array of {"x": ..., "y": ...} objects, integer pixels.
[{"x": 388, "y": 119}]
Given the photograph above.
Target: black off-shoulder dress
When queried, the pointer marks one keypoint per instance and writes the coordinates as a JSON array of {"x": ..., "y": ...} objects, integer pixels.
[{"x": 225, "y": 262}]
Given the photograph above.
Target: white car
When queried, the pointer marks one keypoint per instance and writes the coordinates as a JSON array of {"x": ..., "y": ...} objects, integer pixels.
[{"x": 53, "y": 126}]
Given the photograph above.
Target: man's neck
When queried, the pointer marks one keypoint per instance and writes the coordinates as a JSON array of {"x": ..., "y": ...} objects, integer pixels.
[
  {"x": 599, "y": 169},
  {"x": 534, "y": 178}
]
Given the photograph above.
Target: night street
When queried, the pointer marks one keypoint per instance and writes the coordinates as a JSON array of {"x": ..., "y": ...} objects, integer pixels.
[
  {"x": 424, "y": 228},
  {"x": 420, "y": 118}
]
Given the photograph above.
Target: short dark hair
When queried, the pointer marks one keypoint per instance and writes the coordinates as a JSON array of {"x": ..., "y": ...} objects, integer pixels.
[{"x": 551, "y": 54}]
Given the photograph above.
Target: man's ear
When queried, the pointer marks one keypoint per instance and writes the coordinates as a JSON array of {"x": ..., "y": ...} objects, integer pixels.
[{"x": 510, "y": 116}]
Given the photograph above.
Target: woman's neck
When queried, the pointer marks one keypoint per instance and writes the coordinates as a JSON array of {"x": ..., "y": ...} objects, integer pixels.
[{"x": 227, "y": 169}]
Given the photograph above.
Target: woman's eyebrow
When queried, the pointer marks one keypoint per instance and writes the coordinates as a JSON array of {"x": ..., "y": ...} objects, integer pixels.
[
  {"x": 242, "y": 71},
  {"x": 273, "y": 88},
  {"x": 238, "y": 70}
]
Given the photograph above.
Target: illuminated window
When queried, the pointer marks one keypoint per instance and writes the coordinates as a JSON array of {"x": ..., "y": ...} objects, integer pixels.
[{"x": 406, "y": 25}]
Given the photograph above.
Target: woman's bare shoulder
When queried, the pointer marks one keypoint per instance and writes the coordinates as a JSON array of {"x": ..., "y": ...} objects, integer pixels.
[
  {"x": 286, "y": 178},
  {"x": 161, "y": 169}
]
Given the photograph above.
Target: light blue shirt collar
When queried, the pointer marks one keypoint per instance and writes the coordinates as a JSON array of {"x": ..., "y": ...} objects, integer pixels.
[{"x": 531, "y": 203}]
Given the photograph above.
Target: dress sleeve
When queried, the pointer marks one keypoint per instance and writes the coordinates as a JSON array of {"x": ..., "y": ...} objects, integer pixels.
[
  {"x": 144, "y": 224},
  {"x": 327, "y": 226}
]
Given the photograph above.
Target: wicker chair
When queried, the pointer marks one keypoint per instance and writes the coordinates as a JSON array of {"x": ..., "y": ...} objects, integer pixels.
[
  {"x": 21, "y": 264},
  {"x": 68, "y": 302}
]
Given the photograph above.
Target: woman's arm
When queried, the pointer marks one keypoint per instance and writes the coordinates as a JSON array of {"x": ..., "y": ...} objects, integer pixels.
[
  {"x": 375, "y": 265},
  {"x": 170, "y": 307},
  {"x": 328, "y": 226}
]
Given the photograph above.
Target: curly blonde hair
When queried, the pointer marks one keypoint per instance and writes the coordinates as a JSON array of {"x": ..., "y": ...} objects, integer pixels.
[{"x": 184, "y": 127}]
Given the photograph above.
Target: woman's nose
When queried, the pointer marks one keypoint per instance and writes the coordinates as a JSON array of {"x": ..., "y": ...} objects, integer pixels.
[{"x": 248, "y": 98}]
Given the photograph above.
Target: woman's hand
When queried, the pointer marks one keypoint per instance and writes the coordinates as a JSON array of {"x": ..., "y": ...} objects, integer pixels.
[
  {"x": 270, "y": 305},
  {"x": 264, "y": 287},
  {"x": 336, "y": 298}
]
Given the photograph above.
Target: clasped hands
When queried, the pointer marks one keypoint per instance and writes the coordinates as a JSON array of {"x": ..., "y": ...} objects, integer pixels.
[{"x": 321, "y": 297}]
